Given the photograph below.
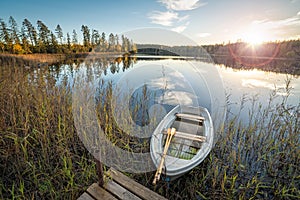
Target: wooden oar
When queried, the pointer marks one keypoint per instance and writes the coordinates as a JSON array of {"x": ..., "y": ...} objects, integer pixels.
[{"x": 171, "y": 132}]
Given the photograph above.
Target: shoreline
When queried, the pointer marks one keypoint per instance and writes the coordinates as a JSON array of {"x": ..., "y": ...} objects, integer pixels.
[
  {"x": 46, "y": 58},
  {"x": 273, "y": 65}
]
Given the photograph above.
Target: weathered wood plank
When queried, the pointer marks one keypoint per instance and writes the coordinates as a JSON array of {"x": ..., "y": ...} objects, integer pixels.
[
  {"x": 99, "y": 193},
  {"x": 85, "y": 196},
  {"x": 133, "y": 186},
  {"x": 119, "y": 191}
]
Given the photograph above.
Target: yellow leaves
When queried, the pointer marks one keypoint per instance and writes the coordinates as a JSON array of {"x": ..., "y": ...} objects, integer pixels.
[{"x": 17, "y": 48}]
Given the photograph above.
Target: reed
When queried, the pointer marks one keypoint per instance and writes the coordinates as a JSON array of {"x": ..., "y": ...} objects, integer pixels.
[
  {"x": 258, "y": 160},
  {"x": 41, "y": 156}
]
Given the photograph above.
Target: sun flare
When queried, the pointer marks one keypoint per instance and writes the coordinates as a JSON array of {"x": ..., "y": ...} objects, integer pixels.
[{"x": 255, "y": 36}]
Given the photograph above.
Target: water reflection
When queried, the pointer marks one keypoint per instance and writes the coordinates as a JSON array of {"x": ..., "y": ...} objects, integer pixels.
[
  {"x": 177, "y": 74},
  {"x": 164, "y": 83},
  {"x": 245, "y": 85}
]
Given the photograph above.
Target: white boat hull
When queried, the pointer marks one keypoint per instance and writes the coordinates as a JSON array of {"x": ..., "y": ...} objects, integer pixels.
[{"x": 183, "y": 154}]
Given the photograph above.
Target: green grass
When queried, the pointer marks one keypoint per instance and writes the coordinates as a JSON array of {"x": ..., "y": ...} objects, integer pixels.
[
  {"x": 41, "y": 155},
  {"x": 259, "y": 160}
]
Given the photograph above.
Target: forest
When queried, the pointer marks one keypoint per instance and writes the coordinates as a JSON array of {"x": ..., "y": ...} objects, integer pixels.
[
  {"x": 29, "y": 39},
  {"x": 278, "y": 56}
]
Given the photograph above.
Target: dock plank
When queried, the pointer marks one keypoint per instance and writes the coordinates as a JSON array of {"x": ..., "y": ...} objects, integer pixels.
[
  {"x": 85, "y": 196},
  {"x": 133, "y": 186},
  {"x": 117, "y": 186},
  {"x": 99, "y": 193},
  {"x": 119, "y": 191}
]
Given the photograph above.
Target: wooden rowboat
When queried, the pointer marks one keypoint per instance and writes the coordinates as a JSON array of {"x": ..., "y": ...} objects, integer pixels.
[{"x": 191, "y": 143}]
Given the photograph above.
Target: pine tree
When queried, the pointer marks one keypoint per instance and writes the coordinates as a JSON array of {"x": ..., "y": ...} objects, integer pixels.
[
  {"x": 68, "y": 41},
  {"x": 95, "y": 38},
  {"x": 53, "y": 46},
  {"x": 59, "y": 33},
  {"x": 111, "y": 42},
  {"x": 5, "y": 37},
  {"x": 24, "y": 41},
  {"x": 14, "y": 32},
  {"x": 86, "y": 35},
  {"x": 44, "y": 32},
  {"x": 103, "y": 43},
  {"x": 118, "y": 46},
  {"x": 74, "y": 37},
  {"x": 30, "y": 32},
  {"x": 125, "y": 44}
]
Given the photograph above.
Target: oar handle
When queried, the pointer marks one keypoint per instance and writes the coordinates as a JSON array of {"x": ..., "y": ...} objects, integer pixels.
[
  {"x": 171, "y": 132},
  {"x": 158, "y": 171}
]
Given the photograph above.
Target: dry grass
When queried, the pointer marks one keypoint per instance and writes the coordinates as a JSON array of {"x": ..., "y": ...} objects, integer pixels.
[
  {"x": 38, "y": 58},
  {"x": 41, "y": 155}
]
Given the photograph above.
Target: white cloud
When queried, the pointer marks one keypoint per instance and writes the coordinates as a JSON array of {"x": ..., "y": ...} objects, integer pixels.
[
  {"x": 281, "y": 29},
  {"x": 163, "y": 18},
  {"x": 288, "y": 21},
  {"x": 167, "y": 18},
  {"x": 184, "y": 18},
  {"x": 179, "y": 5},
  {"x": 179, "y": 29},
  {"x": 279, "y": 23},
  {"x": 259, "y": 21},
  {"x": 171, "y": 17},
  {"x": 202, "y": 35}
]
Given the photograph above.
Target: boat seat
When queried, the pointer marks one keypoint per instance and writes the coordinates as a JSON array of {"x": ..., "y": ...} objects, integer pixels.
[
  {"x": 187, "y": 136},
  {"x": 190, "y": 116}
]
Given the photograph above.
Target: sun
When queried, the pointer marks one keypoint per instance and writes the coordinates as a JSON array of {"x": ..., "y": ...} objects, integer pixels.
[{"x": 255, "y": 36}]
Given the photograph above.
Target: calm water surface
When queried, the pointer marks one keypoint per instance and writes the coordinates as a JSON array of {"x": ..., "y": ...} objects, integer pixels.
[{"x": 167, "y": 83}]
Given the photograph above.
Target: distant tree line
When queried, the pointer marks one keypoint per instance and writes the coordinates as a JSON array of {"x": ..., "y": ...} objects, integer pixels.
[
  {"x": 279, "y": 56},
  {"x": 40, "y": 39},
  {"x": 279, "y": 49}
]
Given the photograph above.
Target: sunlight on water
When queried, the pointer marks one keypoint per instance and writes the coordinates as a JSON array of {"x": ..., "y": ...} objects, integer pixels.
[
  {"x": 255, "y": 83},
  {"x": 249, "y": 85}
]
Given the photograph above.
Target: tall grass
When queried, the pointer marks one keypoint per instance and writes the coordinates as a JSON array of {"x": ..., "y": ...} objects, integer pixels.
[
  {"x": 258, "y": 160},
  {"x": 41, "y": 155}
]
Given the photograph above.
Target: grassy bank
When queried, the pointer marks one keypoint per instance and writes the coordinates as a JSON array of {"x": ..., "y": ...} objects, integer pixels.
[
  {"x": 44, "y": 59},
  {"x": 35, "y": 58},
  {"x": 41, "y": 155}
]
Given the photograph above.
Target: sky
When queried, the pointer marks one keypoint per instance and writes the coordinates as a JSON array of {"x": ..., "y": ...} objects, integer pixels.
[{"x": 203, "y": 21}]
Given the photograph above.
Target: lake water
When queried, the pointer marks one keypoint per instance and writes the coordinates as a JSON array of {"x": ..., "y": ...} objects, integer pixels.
[
  {"x": 151, "y": 87},
  {"x": 138, "y": 93},
  {"x": 256, "y": 88}
]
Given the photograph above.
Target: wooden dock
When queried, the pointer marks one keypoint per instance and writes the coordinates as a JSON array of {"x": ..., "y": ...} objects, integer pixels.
[{"x": 119, "y": 186}]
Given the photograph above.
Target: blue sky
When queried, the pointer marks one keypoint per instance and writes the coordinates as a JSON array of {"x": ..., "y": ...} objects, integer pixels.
[{"x": 204, "y": 21}]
